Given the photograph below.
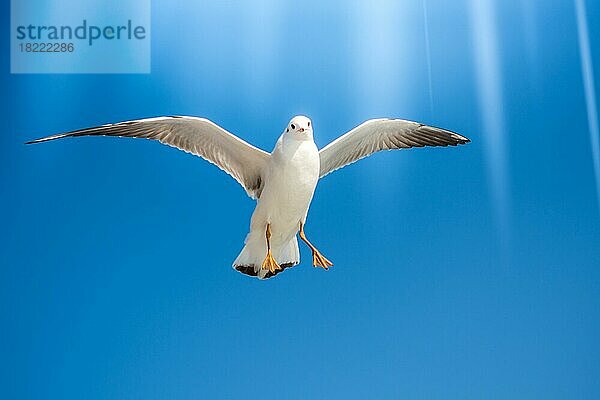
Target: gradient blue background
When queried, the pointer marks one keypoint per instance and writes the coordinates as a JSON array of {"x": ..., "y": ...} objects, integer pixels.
[{"x": 458, "y": 273}]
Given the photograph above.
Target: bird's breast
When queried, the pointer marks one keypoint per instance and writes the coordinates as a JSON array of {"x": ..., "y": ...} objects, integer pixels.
[
  {"x": 293, "y": 176},
  {"x": 298, "y": 161}
]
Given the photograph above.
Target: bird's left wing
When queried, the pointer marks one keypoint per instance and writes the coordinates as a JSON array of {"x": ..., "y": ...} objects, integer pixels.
[
  {"x": 198, "y": 136},
  {"x": 382, "y": 134}
]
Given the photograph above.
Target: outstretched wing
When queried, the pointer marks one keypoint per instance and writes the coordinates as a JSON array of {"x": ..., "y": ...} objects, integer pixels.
[
  {"x": 199, "y": 136},
  {"x": 382, "y": 134}
]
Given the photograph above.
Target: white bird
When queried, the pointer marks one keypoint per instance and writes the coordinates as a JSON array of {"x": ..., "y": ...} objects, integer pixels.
[{"x": 282, "y": 182}]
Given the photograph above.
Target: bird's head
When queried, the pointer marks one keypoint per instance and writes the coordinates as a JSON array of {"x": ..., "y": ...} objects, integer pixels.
[{"x": 300, "y": 128}]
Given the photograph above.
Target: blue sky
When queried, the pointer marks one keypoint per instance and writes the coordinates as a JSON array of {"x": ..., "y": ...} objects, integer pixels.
[{"x": 463, "y": 273}]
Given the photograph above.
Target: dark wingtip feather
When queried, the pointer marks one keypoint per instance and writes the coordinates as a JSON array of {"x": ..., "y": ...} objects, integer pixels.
[
  {"x": 53, "y": 137},
  {"x": 459, "y": 139},
  {"x": 92, "y": 131}
]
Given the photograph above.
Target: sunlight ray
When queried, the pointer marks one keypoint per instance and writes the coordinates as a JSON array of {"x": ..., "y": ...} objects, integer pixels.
[
  {"x": 489, "y": 86},
  {"x": 428, "y": 55},
  {"x": 587, "y": 72}
]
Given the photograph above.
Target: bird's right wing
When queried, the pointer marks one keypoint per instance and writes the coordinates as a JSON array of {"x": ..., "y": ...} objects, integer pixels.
[{"x": 198, "y": 136}]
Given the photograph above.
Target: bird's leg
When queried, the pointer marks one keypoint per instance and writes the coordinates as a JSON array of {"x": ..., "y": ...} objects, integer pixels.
[
  {"x": 319, "y": 260},
  {"x": 269, "y": 262}
]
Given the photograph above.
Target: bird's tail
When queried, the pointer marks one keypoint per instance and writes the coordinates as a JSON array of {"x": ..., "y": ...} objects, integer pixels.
[{"x": 250, "y": 259}]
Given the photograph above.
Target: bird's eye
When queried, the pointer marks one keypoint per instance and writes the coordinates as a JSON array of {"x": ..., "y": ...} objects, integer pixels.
[{"x": 293, "y": 126}]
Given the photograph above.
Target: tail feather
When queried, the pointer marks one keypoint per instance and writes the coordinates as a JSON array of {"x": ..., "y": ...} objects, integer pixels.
[{"x": 250, "y": 259}]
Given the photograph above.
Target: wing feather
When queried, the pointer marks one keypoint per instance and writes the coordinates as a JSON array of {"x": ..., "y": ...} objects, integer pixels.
[
  {"x": 383, "y": 134},
  {"x": 198, "y": 136}
]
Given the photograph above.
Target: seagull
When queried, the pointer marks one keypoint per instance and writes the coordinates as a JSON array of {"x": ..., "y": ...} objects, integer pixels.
[{"x": 283, "y": 182}]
